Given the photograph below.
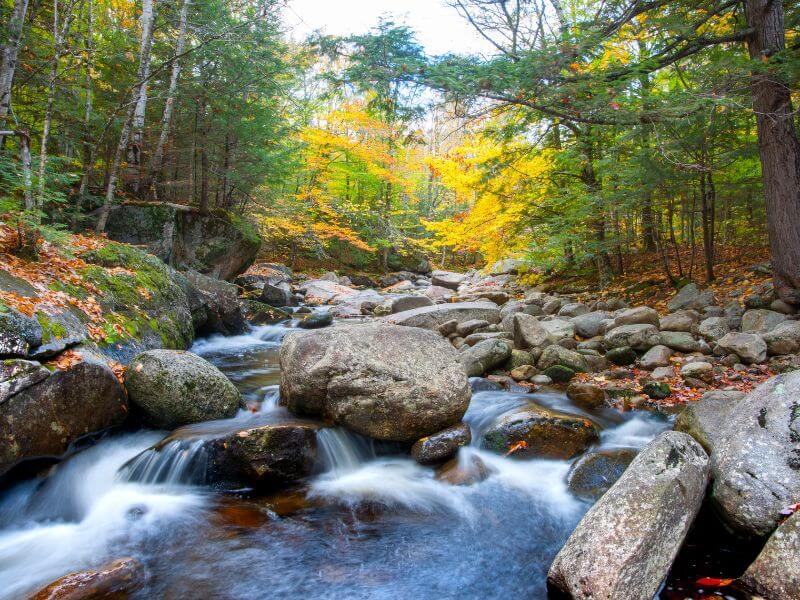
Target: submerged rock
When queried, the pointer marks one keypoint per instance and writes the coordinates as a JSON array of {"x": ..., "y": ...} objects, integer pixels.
[
  {"x": 383, "y": 381},
  {"x": 467, "y": 470},
  {"x": 625, "y": 545},
  {"x": 113, "y": 580},
  {"x": 173, "y": 388},
  {"x": 441, "y": 446},
  {"x": 595, "y": 472}
]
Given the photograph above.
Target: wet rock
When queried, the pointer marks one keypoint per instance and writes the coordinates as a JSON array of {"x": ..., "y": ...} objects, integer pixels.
[
  {"x": 704, "y": 419},
  {"x": 442, "y": 446},
  {"x": 468, "y": 470},
  {"x": 173, "y": 388},
  {"x": 590, "y": 324},
  {"x": 41, "y": 414},
  {"x": 625, "y": 545},
  {"x": 447, "y": 279},
  {"x": 641, "y": 315},
  {"x": 682, "y": 320},
  {"x": 638, "y": 337},
  {"x": 221, "y": 300},
  {"x": 18, "y": 332},
  {"x": 594, "y": 473},
  {"x": 656, "y": 390},
  {"x": 776, "y": 571},
  {"x": 383, "y": 381},
  {"x": 535, "y": 431},
  {"x": 756, "y": 460},
  {"x": 116, "y": 579},
  {"x": 431, "y": 317},
  {"x": 622, "y": 356},
  {"x": 749, "y": 347},
  {"x": 484, "y": 356},
  {"x": 680, "y": 341},
  {"x": 761, "y": 320},
  {"x": 657, "y": 356},
  {"x": 587, "y": 395},
  {"x": 714, "y": 328},
  {"x": 783, "y": 339},
  {"x": 556, "y": 355},
  {"x": 277, "y": 295},
  {"x": 404, "y": 303},
  {"x": 691, "y": 297}
]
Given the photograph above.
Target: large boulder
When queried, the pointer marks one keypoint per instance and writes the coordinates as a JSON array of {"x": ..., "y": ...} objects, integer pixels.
[
  {"x": 704, "y": 420},
  {"x": 431, "y": 317},
  {"x": 756, "y": 458},
  {"x": 219, "y": 243},
  {"x": 439, "y": 294},
  {"x": 447, "y": 279},
  {"x": 639, "y": 337},
  {"x": 591, "y": 324},
  {"x": 682, "y": 320},
  {"x": 714, "y": 329},
  {"x": 321, "y": 291},
  {"x": 531, "y": 332},
  {"x": 691, "y": 297},
  {"x": 173, "y": 388},
  {"x": 18, "y": 332},
  {"x": 43, "y": 412},
  {"x": 680, "y": 341},
  {"x": 625, "y": 545},
  {"x": 276, "y": 294},
  {"x": 404, "y": 303},
  {"x": 760, "y": 320},
  {"x": 223, "y": 311},
  {"x": 776, "y": 571},
  {"x": 537, "y": 432},
  {"x": 750, "y": 347},
  {"x": 383, "y": 381},
  {"x": 641, "y": 315},
  {"x": 783, "y": 339},
  {"x": 556, "y": 355},
  {"x": 485, "y": 356}
]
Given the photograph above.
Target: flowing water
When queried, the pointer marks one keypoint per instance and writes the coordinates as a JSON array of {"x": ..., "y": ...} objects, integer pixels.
[{"x": 371, "y": 524}]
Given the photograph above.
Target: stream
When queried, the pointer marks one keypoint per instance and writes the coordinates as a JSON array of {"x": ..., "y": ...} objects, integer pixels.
[{"x": 371, "y": 524}]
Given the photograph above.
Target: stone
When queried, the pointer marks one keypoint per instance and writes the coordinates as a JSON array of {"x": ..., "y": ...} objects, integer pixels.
[
  {"x": 431, "y": 317},
  {"x": 485, "y": 356},
  {"x": 656, "y": 390},
  {"x": 682, "y": 320},
  {"x": 556, "y": 355},
  {"x": 277, "y": 295},
  {"x": 552, "y": 306},
  {"x": 116, "y": 579},
  {"x": 18, "y": 333},
  {"x": 698, "y": 370},
  {"x": 625, "y": 545},
  {"x": 519, "y": 358},
  {"x": 783, "y": 339},
  {"x": 776, "y": 571},
  {"x": 559, "y": 373},
  {"x": 468, "y": 470},
  {"x": 316, "y": 320},
  {"x": 641, "y": 315},
  {"x": 447, "y": 279},
  {"x": 714, "y": 328},
  {"x": 704, "y": 419},
  {"x": 749, "y": 347},
  {"x": 404, "y": 303},
  {"x": 508, "y": 266},
  {"x": 638, "y": 336},
  {"x": 622, "y": 356},
  {"x": 221, "y": 300},
  {"x": 691, "y": 297},
  {"x": 530, "y": 332},
  {"x": 442, "y": 446},
  {"x": 679, "y": 341},
  {"x": 539, "y": 432},
  {"x": 573, "y": 309},
  {"x": 591, "y": 324},
  {"x": 383, "y": 381},
  {"x": 587, "y": 395},
  {"x": 657, "y": 356},
  {"x": 594, "y": 473},
  {"x": 320, "y": 291},
  {"x": 541, "y": 380},
  {"x": 467, "y": 327},
  {"x": 439, "y": 294},
  {"x": 782, "y": 307},
  {"x": 42, "y": 414},
  {"x": 173, "y": 388},
  {"x": 662, "y": 373},
  {"x": 760, "y": 320},
  {"x": 756, "y": 459},
  {"x": 524, "y": 373}
]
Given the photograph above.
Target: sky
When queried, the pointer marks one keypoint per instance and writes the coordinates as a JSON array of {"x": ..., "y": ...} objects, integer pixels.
[{"x": 440, "y": 29}]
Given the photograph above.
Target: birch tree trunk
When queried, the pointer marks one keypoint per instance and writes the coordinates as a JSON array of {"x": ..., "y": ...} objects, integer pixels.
[
  {"x": 137, "y": 127},
  {"x": 124, "y": 136},
  {"x": 169, "y": 106},
  {"x": 9, "y": 59}
]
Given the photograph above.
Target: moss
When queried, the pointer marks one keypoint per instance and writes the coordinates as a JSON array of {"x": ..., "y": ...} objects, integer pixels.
[
  {"x": 559, "y": 373},
  {"x": 242, "y": 225},
  {"x": 51, "y": 330}
]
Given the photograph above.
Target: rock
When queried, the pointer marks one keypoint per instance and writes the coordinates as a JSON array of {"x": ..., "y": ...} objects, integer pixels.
[
  {"x": 657, "y": 356},
  {"x": 519, "y": 358},
  {"x": 625, "y": 545},
  {"x": 524, "y": 373},
  {"x": 220, "y": 243},
  {"x": 591, "y": 324},
  {"x": 511, "y": 307},
  {"x": 431, "y": 317},
  {"x": 734, "y": 312},
  {"x": 448, "y": 328},
  {"x": 476, "y": 338},
  {"x": 447, "y": 279},
  {"x": 782, "y": 307},
  {"x": 594, "y": 473},
  {"x": 641, "y": 315},
  {"x": 776, "y": 571},
  {"x": 756, "y": 460},
  {"x": 318, "y": 292},
  {"x": 442, "y": 446},
  {"x": 485, "y": 356},
  {"x": 749, "y": 347},
  {"x": 497, "y": 296},
  {"x": 383, "y": 381},
  {"x": 401, "y": 286},
  {"x": 698, "y": 370},
  {"x": 587, "y": 395},
  {"x": 278, "y": 295},
  {"x": 704, "y": 419},
  {"x": 116, "y": 579},
  {"x": 546, "y": 433},
  {"x": 173, "y": 388},
  {"x": 18, "y": 332},
  {"x": 556, "y": 355},
  {"x": 573, "y": 309},
  {"x": 404, "y": 303},
  {"x": 638, "y": 337},
  {"x": 714, "y": 328},
  {"x": 783, "y": 339},
  {"x": 468, "y": 327},
  {"x": 760, "y": 320},
  {"x": 439, "y": 294},
  {"x": 542, "y": 380},
  {"x": 662, "y": 373},
  {"x": 559, "y": 373},
  {"x": 622, "y": 356},
  {"x": 530, "y": 332},
  {"x": 480, "y": 384},
  {"x": 656, "y": 390},
  {"x": 680, "y": 341},
  {"x": 508, "y": 266},
  {"x": 41, "y": 414},
  {"x": 316, "y": 320},
  {"x": 468, "y": 470},
  {"x": 683, "y": 320},
  {"x": 221, "y": 300},
  {"x": 691, "y": 296}
]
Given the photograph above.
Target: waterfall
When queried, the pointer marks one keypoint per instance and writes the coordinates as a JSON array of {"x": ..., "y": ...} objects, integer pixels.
[{"x": 179, "y": 462}]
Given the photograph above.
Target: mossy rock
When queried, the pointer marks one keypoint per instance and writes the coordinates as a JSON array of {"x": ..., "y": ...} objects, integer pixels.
[
  {"x": 559, "y": 373},
  {"x": 657, "y": 390},
  {"x": 622, "y": 357}
]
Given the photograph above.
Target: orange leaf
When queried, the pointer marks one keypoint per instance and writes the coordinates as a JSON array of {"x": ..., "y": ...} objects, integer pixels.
[{"x": 714, "y": 581}]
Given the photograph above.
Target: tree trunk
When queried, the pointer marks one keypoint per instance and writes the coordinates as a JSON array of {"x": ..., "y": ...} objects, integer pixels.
[
  {"x": 166, "y": 118},
  {"x": 87, "y": 157},
  {"x": 778, "y": 146},
  {"x": 113, "y": 175},
  {"x": 9, "y": 59},
  {"x": 137, "y": 126}
]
